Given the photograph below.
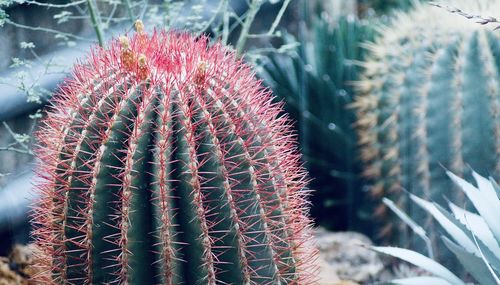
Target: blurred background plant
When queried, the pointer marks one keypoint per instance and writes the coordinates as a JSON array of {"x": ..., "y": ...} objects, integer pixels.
[
  {"x": 428, "y": 99},
  {"x": 316, "y": 81},
  {"x": 384, "y": 6}
]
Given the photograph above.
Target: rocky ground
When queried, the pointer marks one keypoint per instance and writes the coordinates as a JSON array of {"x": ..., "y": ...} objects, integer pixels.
[
  {"x": 345, "y": 259},
  {"x": 18, "y": 266}
]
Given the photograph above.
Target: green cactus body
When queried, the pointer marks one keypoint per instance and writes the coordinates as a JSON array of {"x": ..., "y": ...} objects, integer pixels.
[
  {"x": 165, "y": 162},
  {"x": 429, "y": 100}
]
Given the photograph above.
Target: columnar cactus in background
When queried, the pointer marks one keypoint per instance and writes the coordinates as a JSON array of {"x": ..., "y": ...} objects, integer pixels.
[
  {"x": 315, "y": 81},
  {"x": 165, "y": 162},
  {"x": 430, "y": 100}
]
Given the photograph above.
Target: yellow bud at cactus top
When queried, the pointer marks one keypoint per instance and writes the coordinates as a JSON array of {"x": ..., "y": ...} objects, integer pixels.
[
  {"x": 124, "y": 42},
  {"x": 139, "y": 26},
  {"x": 200, "y": 73},
  {"x": 142, "y": 60},
  {"x": 143, "y": 70}
]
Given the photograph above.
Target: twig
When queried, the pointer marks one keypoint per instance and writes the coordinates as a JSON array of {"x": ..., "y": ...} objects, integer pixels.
[
  {"x": 252, "y": 12},
  {"x": 145, "y": 6},
  {"x": 25, "y": 148},
  {"x": 278, "y": 17},
  {"x": 44, "y": 30},
  {"x": 220, "y": 8},
  {"x": 13, "y": 134},
  {"x": 482, "y": 20},
  {"x": 94, "y": 18},
  {"x": 52, "y": 5},
  {"x": 225, "y": 25},
  {"x": 130, "y": 12},
  {"x": 9, "y": 148},
  {"x": 111, "y": 17}
]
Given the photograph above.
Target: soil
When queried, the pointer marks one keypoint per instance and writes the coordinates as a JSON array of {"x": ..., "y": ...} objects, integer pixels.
[{"x": 18, "y": 267}]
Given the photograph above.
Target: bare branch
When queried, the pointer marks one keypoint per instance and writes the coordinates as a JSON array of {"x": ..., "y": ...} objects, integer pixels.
[{"x": 482, "y": 20}]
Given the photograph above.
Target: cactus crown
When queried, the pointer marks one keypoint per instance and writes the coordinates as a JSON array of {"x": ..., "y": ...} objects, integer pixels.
[
  {"x": 430, "y": 99},
  {"x": 164, "y": 161}
]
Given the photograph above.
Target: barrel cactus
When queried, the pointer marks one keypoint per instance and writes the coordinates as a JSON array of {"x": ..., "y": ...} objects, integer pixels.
[
  {"x": 164, "y": 161},
  {"x": 429, "y": 100}
]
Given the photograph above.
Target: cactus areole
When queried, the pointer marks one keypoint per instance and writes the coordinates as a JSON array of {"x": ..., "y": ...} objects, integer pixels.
[{"x": 164, "y": 161}]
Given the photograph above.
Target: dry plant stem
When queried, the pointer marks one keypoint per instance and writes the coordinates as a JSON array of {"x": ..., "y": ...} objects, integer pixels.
[
  {"x": 130, "y": 12},
  {"x": 222, "y": 7},
  {"x": 278, "y": 17},
  {"x": 18, "y": 150},
  {"x": 25, "y": 148},
  {"x": 52, "y": 5},
  {"x": 482, "y": 20},
  {"x": 225, "y": 25},
  {"x": 94, "y": 18},
  {"x": 245, "y": 30},
  {"x": 276, "y": 22},
  {"x": 13, "y": 134},
  {"x": 252, "y": 12},
  {"x": 41, "y": 29}
]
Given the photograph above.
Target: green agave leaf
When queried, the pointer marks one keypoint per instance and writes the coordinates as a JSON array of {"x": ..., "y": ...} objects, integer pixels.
[
  {"x": 477, "y": 226},
  {"x": 473, "y": 264},
  {"x": 486, "y": 188},
  {"x": 453, "y": 229},
  {"x": 495, "y": 185},
  {"x": 488, "y": 208},
  {"x": 421, "y": 261},
  {"x": 418, "y": 230},
  {"x": 489, "y": 256},
  {"x": 479, "y": 244},
  {"x": 428, "y": 280},
  {"x": 488, "y": 262},
  {"x": 406, "y": 219}
]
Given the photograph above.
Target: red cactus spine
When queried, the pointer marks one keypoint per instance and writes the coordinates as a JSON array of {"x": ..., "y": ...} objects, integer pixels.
[{"x": 164, "y": 161}]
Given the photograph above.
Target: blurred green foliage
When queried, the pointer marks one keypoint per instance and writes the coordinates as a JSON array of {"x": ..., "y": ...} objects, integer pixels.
[
  {"x": 385, "y": 6},
  {"x": 315, "y": 81},
  {"x": 428, "y": 100}
]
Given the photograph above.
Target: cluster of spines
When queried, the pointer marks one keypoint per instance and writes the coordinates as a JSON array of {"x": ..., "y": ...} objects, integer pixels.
[
  {"x": 429, "y": 101},
  {"x": 164, "y": 161}
]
